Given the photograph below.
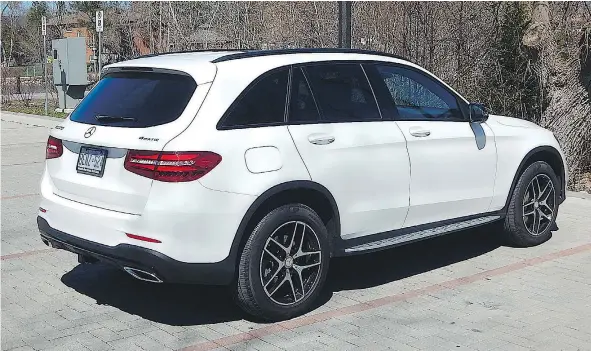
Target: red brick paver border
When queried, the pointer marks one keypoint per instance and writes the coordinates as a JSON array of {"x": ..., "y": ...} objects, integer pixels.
[
  {"x": 18, "y": 196},
  {"x": 363, "y": 306},
  {"x": 24, "y": 254}
]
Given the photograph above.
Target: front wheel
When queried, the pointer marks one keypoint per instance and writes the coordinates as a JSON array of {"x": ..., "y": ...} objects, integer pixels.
[
  {"x": 533, "y": 206},
  {"x": 283, "y": 264}
]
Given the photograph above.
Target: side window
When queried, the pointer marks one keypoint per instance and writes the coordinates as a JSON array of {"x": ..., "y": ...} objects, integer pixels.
[
  {"x": 263, "y": 103},
  {"x": 302, "y": 107},
  {"x": 417, "y": 96},
  {"x": 342, "y": 92}
]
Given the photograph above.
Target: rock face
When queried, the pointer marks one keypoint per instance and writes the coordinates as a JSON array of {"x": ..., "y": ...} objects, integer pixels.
[{"x": 563, "y": 64}]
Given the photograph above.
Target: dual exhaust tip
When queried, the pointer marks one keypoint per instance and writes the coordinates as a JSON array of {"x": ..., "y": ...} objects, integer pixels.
[
  {"x": 142, "y": 275},
  {"x": 134, "y": 272}
]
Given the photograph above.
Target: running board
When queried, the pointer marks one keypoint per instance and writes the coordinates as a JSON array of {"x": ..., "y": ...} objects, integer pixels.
[{"x": 422, "y": 234}]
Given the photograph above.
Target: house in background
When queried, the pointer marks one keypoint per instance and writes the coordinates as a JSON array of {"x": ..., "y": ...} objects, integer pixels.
[
  {"x": 206, "y": 38},
  {"x": 77, "y": 25}
]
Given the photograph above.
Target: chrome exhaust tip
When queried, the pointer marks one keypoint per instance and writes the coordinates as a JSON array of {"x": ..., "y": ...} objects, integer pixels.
[{"x": 142, "y": 275}]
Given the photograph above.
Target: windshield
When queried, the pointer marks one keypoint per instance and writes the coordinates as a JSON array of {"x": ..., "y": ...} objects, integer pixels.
[{"x": 135, "y": 99}]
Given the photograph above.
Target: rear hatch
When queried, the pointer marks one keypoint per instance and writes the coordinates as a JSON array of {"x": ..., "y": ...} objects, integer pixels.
[{"x": 129, "y": 109}]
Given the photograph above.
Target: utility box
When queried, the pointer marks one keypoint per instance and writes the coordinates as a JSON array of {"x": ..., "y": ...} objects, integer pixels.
[{"x": 69, "y": 70}]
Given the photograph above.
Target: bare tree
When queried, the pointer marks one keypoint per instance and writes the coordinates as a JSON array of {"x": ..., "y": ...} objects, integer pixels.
[{"x": 558, "y": 37}]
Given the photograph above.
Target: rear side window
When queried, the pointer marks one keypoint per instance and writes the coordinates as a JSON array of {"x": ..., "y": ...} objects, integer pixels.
[
  {"x": 302, "y": 107},
  {"x": 136, "y": 99},
  {"x": 261, "y": 104},
  {"x": 342, "y": 92}
]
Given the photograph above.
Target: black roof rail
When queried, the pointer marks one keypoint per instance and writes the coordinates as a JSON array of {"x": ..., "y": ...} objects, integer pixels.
[
  {"x": 188, "y": 51},
  {"x": 259, "y": 53}
]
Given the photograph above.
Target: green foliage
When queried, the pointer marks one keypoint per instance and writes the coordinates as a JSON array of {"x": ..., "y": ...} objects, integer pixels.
[
  {"x": 516, "y": 90},
  {"x": 38, "y": 9},
  {"x": 89, "y": 8}
]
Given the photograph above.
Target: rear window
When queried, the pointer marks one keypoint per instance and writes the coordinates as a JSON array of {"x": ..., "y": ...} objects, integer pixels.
[{"x": 135, "y": 99}]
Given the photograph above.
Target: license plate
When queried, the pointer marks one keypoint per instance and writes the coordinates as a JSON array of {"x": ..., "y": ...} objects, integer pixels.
[{"x": 91, "y": 161}]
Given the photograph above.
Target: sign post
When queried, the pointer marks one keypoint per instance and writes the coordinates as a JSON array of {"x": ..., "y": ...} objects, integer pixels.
[
  {"x": 44, "y": 34},
  {"x": 99, "y": 30}
]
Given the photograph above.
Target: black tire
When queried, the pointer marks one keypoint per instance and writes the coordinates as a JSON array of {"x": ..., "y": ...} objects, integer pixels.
[
  {"x": 251, "y": 295},
  {"x": 514, "y": 227}
]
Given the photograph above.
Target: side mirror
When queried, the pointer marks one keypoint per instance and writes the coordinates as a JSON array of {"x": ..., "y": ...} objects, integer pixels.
[{"x": 478, "y": 113}]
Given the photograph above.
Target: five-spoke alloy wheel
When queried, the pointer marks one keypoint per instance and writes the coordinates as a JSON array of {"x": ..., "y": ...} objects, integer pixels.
[
  {"x": 538, "y": 204},
  {"x": 283, "y": 264},
  {"x": 290, "y": 263},
  {"x": 533, "y": 205}
]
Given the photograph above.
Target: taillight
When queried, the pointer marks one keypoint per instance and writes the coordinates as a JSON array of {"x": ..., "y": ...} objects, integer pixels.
[
  {"x": 169, "y": 166},
  {"x": 54, "y": 148}
]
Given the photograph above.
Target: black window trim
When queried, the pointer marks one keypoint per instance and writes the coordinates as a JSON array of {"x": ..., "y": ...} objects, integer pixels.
[
  {"x": 462, "y": 105},
  {"x": 288, "y": 105},
  {"x": 288, "y": 96},
  {"x": 340, "y": 62},
  {"x": 310, "y": 89},
  {"x": 375, "y": 98},
  {"x": 220, "y": 125}
]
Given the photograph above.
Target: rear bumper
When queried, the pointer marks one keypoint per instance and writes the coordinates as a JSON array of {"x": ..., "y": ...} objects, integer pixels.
[{"x": 125, "y": 255}]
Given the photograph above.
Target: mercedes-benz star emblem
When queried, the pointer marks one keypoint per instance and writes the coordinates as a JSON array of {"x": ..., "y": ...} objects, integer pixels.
[{"x": 90, "y": 132}]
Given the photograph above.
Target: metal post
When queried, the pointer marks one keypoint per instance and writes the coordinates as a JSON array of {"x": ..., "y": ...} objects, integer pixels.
[
  {"x": 100, "y": 53},
  {"x": 345, "y": 24},
  {"x": 44, "y": 57},
  {"x": 45, "y": 71},
  {"x": 99, "y": 28}
]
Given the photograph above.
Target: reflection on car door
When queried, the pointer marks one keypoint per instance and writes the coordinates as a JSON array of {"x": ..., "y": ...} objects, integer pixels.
[
  {"x": 361, "y": 159},
  {"x": 450, "y": 176}
]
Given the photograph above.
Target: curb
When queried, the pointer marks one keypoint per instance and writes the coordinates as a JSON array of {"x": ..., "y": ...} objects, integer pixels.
[
  {"x": 32, "y": 120},
  {"x": 578, "y": 194}
]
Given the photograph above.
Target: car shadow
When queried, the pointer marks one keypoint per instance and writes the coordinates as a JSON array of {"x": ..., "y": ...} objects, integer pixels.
[
  {"x": 394, "y": 264},
  {"x": 172, "y": 304},
  {"x": 184, "y": 305}
]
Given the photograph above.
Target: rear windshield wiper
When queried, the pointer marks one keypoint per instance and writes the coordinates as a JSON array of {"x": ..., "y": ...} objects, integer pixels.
[{"x": 104, "y": 118}]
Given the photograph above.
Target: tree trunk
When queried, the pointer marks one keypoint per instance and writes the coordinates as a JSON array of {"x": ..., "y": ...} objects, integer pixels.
[{"x": 568, "y": 113}]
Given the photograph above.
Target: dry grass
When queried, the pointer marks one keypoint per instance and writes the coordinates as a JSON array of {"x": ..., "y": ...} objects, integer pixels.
[{"x": 34, "y": 107}]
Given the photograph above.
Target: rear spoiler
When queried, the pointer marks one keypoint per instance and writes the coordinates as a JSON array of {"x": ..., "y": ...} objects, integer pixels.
[{"x": 108, "y": 70}]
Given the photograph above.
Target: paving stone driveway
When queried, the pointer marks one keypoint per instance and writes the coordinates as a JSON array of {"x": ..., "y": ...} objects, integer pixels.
[{"x": 463, "y": 292}]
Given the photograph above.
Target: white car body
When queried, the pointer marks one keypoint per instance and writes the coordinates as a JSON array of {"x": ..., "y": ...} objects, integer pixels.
[{"x": 378, "y": 176}]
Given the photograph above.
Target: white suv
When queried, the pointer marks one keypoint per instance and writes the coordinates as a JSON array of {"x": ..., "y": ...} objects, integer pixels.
[{"x": 253, "y": 168}]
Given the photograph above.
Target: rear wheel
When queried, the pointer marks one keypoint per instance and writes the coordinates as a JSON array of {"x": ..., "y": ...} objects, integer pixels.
[
  {"x": 534, "y": 203},
  {"x": 284, "y": 263}
]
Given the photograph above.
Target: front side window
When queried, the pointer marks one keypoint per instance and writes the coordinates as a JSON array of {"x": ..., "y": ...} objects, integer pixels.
[
  {"x": 261, "y": 104},
  {"x": 342, "y": 92},
  {"x": 417, "y": 96}
]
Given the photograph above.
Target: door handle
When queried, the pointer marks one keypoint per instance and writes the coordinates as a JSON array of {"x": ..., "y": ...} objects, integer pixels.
[
  {"x": 419, "y": 132},
  {"x": 320, "y": 139}
]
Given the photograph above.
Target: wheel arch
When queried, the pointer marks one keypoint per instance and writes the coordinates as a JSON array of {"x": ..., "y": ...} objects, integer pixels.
[
  {"x": 548, "y": 154},
  {"x": 306, "y": 192}
]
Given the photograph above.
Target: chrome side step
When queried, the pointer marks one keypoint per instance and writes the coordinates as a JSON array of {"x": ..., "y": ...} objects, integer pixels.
[{"x": 422, "y": 234}]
